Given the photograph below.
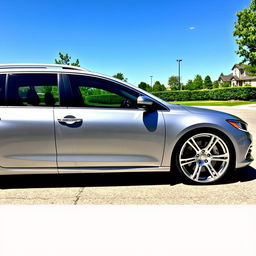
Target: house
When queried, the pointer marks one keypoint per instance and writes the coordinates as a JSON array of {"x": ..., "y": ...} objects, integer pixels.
[{"x": 238, "y": 77}]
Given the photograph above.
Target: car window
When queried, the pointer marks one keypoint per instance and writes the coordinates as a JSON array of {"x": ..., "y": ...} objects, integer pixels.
[
  {"x": 32, "y": 90},
  {"x": 2, "y": 89},
  {"x": 96, "y": 92}
]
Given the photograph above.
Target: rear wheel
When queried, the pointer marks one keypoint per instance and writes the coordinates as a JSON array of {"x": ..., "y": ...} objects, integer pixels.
[{"x": 204, "y": 157}]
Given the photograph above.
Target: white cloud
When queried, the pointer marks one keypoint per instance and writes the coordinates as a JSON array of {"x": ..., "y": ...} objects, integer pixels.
[{"x": 192, "y": 28}]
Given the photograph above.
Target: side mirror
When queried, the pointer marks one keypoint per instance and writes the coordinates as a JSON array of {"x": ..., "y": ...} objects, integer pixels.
[{"x": 144, "y": 101}]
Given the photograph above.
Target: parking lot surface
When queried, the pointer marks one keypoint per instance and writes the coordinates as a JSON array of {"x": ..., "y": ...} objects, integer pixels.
[{"x": 133, "y": 188}]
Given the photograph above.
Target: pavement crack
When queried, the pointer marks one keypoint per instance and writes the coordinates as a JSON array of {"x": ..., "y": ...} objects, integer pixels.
[{"x": 78, "y": 195}]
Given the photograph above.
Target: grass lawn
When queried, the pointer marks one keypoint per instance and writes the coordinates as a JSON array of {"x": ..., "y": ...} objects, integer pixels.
[{"x": 213, "y": 103}]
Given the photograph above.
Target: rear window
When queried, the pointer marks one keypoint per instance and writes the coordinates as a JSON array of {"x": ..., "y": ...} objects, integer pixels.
[
  {"x": 2, "y": 89},
  {"x": 32, "y": 90}
]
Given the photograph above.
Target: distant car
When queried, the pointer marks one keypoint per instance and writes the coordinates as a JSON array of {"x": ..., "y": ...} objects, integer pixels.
[{"x": 65, "y": 119}]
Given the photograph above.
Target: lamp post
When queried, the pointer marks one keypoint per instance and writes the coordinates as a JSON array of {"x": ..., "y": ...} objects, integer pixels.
[
  {"x": 179, "y": 61},
  {"x": 151, "y": 80}
]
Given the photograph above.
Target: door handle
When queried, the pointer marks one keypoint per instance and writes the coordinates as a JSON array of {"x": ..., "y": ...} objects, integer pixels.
[{"x": 70, "y": 120}]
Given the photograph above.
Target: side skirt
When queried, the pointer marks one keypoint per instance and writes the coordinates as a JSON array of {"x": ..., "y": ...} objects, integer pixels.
[
  {"x": 113, "y": 170},
  {"x": 17, "y": 171}
]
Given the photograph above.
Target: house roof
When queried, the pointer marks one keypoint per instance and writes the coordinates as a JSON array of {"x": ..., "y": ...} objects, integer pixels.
[
  {"x": 239, "y": 66},
  {"x": 230, "y": 77},
  {"x": 236, "y": 78},
  {"x": 226, "y": 78},
  {"x": 248, "y": 78}
]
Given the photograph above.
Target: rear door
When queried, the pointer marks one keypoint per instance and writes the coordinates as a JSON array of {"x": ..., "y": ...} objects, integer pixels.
[
  {"x": 104, "y": 128},
  {"x": 26, "y": 125}
]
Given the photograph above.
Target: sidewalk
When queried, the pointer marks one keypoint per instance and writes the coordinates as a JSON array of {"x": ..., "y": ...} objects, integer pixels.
[
  {"x": 249, "y": 106},
  {"x": 246, "y": 107}
]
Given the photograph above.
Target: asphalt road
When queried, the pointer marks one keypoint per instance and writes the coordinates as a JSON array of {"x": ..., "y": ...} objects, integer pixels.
[{"x": 145, "y": 188}]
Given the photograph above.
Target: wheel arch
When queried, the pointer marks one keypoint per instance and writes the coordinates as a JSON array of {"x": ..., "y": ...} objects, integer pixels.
[{"x": 201, "y": 130}]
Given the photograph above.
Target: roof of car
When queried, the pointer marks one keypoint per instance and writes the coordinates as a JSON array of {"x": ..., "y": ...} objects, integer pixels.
[{"x": 41, "y": 67}]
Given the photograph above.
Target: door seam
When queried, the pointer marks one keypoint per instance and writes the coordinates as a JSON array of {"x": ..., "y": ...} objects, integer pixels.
[{"x": 55, "y": 141}]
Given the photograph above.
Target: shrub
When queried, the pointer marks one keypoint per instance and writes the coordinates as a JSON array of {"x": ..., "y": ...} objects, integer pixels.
[
  {"x": 234, "y": 93},
  {"x": 104, "y": 99}
]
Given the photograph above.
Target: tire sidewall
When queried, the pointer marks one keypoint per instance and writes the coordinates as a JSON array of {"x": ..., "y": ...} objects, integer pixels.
[{"x": 179, "y": 145}]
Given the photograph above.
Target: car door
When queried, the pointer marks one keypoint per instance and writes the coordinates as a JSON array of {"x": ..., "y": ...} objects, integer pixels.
[
  {"x": 27, "y": 124},
  {"x": 103, "y": 127}
]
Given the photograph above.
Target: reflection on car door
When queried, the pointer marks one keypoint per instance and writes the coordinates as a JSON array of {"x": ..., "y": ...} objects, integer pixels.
[{"x": 108, "y": 137}]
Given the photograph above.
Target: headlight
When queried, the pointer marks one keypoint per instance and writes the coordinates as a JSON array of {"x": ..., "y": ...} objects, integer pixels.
[{"x": 238, "y": 124}]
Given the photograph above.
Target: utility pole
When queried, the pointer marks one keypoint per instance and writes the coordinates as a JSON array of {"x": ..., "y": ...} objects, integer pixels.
[
  {"x": 151, "y": 80},
  {"x": 179, "y": 61}
]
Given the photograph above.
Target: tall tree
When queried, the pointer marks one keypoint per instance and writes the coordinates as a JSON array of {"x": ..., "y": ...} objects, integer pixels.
[
  {"x": 120, "y": 76},
  {"x": 225, "y": 84},
  {"x": 198, "y": 83},
  {"x": 245, "y": 32},
  {"x": 189, "y": 85},
  {"x": 158, "y": 87},
  {"x": 173, "y": 82},
  {"x": 145, "y": 86},
  {"x": 65, "y": 59},
  {"x": 215, "y": 84},
  {"x": 207, "y": 82}
]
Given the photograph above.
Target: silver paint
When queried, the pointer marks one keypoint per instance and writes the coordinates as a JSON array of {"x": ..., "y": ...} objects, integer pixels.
[
  {"x": 110, "y": 137},
  {"x": 38, "y": 140}
]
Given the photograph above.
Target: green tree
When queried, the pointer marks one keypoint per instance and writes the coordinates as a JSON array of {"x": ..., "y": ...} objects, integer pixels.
[
  {"x": 198, "y": 83},
  {"x": 120, "y": 76},
  {"x": 189, "y": 85},
  {"x": 207, "y": 82},
  {"x": 158, "y": 87},
  {"x": 145, "y": 86},
  {"x": 65, "y": 59},
  {"x": 183, "y": 86},
  {"x": 215, "y": 84},
  {"x": 225, "y": 84},
  {"x": 173, "y": 82},
  {"x": 251, "y": 70},
  {"x": 245, "y": 32}
]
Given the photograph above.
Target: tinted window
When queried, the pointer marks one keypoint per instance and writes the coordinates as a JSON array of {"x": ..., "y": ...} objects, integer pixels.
[
  {"x": 2, "y": 89},
  {"x": 32, "y": 90},
  {"x": 96, "y": 92}
]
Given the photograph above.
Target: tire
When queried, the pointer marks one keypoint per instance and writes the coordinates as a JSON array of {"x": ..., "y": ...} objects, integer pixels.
[{"x": 204, "y": 157}]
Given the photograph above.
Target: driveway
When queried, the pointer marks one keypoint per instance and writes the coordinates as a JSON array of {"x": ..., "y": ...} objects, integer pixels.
[{"x": 145, "y": 188}]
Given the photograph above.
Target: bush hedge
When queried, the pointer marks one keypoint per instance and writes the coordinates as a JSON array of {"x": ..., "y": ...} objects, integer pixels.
[
  {"x": 104, "y": 99},
  {"x": 234, "y": 93}
]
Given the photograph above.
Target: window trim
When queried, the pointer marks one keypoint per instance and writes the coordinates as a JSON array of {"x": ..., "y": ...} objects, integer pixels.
[{"x": 159, "y": 106}]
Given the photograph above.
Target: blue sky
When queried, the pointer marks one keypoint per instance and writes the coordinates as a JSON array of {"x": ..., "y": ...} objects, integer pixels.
[{"x": 136, "y": 37}]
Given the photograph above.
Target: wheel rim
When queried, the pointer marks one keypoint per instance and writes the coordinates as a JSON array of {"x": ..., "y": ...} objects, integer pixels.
[{"x": 204, "y": 157}]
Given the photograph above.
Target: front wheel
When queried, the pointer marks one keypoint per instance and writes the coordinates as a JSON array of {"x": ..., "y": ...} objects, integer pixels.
[{"x": 204, "y": 157}]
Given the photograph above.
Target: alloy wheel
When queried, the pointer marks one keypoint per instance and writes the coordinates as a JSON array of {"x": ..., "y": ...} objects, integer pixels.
[{"x": 204, "y": 158}]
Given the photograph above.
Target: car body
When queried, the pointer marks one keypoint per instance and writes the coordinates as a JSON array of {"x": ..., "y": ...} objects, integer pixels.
[{"x": 64, "y": 119}]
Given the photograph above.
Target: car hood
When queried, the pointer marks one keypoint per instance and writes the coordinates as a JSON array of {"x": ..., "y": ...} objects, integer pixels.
[{"x": 204, "y": 111}]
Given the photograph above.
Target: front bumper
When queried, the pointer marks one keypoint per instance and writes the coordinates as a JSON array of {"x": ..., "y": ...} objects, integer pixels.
[{"x": 244, "y": 150}]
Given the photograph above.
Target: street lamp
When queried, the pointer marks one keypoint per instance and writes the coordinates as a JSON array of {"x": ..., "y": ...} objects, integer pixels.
[
  {"x": 179, "y": 60},
  {"x": 151, "y": 80}
]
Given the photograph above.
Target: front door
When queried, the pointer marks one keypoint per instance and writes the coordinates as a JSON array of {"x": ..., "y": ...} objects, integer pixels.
[{"x": 104, "y": 128}]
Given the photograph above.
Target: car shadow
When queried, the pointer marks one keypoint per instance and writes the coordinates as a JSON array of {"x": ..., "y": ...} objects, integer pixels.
[
  {"x": 241, "y": 175},
  {"x": 86, "y": 180},
  {"x": 108, "y": 179}
]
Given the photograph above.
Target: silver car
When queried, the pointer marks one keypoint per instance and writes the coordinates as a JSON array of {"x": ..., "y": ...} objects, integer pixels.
[{"x": 65, "y": 119}]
